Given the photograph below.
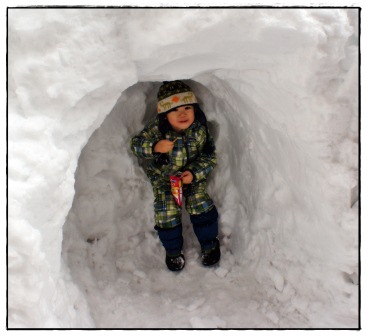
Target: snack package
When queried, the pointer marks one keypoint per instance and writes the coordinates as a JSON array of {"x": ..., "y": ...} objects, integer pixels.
[{"x": 176, "y": 189}]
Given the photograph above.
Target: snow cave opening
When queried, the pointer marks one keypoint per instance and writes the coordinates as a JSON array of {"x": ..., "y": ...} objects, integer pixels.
[
  {"x": 112, "y": 193},
  {"x": 113, "y": 198}
]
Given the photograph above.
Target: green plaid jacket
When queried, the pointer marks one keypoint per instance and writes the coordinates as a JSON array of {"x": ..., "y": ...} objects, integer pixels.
[{"x": 187, "y": 154}]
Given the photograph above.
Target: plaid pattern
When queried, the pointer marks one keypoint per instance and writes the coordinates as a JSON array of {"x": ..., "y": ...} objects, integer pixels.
[
  {"x": 142, "y": 144},
  {"x": 197, "y": 199},
  {"x": 168, "y": 213},
  {"x": 186, "y": 155}
]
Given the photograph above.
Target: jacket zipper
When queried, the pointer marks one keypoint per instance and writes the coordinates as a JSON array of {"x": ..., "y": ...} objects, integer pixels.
[{"x": 186, "y": 147}]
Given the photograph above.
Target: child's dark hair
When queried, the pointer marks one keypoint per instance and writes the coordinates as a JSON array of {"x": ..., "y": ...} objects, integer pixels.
[{"x": 164, "y": 126}]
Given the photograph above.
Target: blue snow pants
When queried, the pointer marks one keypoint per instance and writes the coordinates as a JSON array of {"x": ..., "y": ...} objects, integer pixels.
[{"x": 205, "y": 227}]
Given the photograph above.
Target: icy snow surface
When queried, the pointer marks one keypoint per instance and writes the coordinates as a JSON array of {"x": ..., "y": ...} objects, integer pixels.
[{"x": 280, "y": 90}]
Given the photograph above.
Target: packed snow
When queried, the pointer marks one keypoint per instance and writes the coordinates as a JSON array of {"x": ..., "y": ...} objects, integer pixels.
[{"x": 280, "y": 90}]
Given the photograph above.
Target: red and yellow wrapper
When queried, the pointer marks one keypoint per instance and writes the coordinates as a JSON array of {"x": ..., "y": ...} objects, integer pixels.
[{"x": 176, "y": 189}]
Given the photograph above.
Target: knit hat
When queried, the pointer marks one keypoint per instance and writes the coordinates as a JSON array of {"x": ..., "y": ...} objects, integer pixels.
[{"x": 174, "y": 94}]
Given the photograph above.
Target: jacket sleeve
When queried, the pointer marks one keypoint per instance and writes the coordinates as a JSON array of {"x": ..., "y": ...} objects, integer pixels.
[
  {"x": 142, "y": 144},
  {"x": 205, "y": 163}
]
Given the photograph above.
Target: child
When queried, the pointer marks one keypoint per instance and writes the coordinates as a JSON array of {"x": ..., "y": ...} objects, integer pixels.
[{"x": 178, "y": 143}]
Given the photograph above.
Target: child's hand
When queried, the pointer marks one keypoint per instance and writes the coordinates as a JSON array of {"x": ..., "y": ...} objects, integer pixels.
[
  {"x": 164, "y": 146},
  {"x": 187, "y": 177}
]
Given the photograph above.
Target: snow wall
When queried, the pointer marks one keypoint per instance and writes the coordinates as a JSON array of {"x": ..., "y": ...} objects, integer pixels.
[{"x": 280, "y": 90}]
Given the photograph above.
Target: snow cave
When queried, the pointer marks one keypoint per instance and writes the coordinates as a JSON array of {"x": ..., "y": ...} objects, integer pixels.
[{"x": 280, "y": 92}]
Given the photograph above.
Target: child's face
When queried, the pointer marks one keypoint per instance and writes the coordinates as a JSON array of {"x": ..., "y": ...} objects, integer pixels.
[{"x": 181, "y": 117}]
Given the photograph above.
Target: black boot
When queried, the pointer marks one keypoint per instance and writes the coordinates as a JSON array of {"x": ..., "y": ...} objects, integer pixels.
[
  {"x": 175, "y": 263},
  {"x": 212, "y": 256}
]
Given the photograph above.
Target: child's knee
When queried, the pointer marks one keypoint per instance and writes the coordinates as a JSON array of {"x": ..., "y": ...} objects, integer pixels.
[
  {"x": 205, "y": 218},
  {"x": 206, "y": 227}
]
